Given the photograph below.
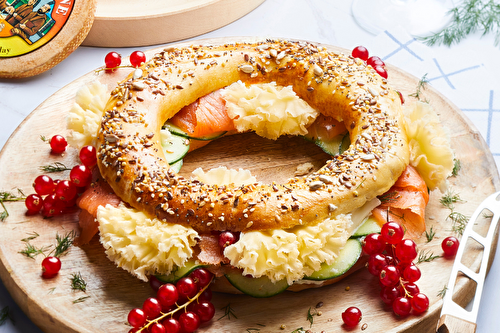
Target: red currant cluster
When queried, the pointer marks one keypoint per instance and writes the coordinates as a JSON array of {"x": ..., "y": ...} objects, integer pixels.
[
  {"x": 54, "y": 197},
  {"x": 391, "y": 260},
  {"x": 113, "y": 59},
  {"x": 378, "y": 65},
  {"x": 179, "y": 308}
]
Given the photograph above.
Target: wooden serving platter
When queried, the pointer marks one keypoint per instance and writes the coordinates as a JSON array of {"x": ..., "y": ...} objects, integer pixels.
[
  {"x": 127, "y": 23},
  {"x": 111, "y": 292}
]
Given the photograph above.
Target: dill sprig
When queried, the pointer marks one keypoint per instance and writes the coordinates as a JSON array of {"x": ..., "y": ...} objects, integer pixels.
[
  {"x": 33, "y": 236},
  {"x": 44, "y": 139},
  {"x": 449, "y": 198},
  {"x": 55, "y": 167},
  {"x": 311, "y": 314},
  {"x": 299, "y": 330},
  {"x": 81, "y": 299},
  {"x": 77, "y": 282},
  {"x": 63, "y": 243},
  {"x": 430, "y": 235},
  {"x": 456, "y": 167},
  {"x": 442, "y": 292},
  {"x": 7, "y": 196},
  {"x": 459, "y": 221},
  {"x": 228, "y": 312},
  {"x": 426, "y": 256},
  {"x": 5, "y": 314},
  {"x": 388, "y": 197},
  {"x": 421, "y": 85},
  {"x": 467, "y": 18},
  {"x": 32, "y": 251}
]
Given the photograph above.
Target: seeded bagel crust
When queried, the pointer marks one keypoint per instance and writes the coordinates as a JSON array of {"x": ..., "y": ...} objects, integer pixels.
[{"x": 130, "y": 157}]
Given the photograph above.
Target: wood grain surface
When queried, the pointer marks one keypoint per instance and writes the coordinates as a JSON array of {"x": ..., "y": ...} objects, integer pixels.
[
  {"x": 112, "y": 292},
  {"x": 127, "y": 23}
]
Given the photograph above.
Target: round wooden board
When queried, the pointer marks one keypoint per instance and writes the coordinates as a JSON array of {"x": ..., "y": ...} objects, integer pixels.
[
  {"x": 112, "y": 292},
  {"x": 125, "y": 23}
]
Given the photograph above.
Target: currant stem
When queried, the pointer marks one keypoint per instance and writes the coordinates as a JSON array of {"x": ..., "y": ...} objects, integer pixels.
[
  {"x": 97, "y": 71},
  {"x": 183, "y": 306}
]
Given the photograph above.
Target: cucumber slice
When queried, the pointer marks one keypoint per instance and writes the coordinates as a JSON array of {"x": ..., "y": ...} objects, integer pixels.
[
  {"x": 178, "y": 132},
  {"x": 335, "y": 146},
  {"x": 369, "y": 226},
  {"x": 348, "y": 256},
  {"x": 180, "y": 272},
  {"x": 174, "y": 147},
  {"x": 177, "y": 166},
  {"x": 257, "y": 287}
]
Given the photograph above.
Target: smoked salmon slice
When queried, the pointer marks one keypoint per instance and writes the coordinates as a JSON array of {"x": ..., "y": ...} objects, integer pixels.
[
  {"x": 206, "y": 116},
  {"x": 99, "y": 193},
  {"x": 405, "y": 203}
]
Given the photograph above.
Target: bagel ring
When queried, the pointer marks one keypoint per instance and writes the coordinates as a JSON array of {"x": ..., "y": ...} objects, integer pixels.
[{"x": 132, "y": 162}]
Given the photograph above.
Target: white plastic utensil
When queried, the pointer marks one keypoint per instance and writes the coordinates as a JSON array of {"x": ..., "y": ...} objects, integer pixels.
[{"x": 455, "y": 318}]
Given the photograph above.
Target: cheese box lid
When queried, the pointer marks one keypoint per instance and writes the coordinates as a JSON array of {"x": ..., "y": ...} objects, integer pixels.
[{"x": 36, "y": 35}]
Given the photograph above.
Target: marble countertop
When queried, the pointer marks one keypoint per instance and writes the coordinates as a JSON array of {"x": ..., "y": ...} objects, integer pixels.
[{"x": 466, "y": 73}]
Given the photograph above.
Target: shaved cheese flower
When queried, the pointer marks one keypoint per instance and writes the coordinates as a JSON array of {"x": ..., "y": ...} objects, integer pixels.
[
  {"x": 268, "y": 109},
  {"x": 224, "y": 176},
  {"x": 290, "y": 254},
  {"x": 430, "y": 146},
  {"x": 143, "y": 246},
  {"x": 84, "y": 117}
]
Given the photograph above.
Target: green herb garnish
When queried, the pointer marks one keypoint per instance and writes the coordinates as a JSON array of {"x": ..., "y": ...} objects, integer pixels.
[
  {"x": 81, "y": 299},
  {"x": 449, "y": 198},
  {"x": 442, "y": 292},
  {"x": 64, "y": 243},
  {"x": 456, "y": 167},
  {"x": 55, "y": 167},
  {"x": 228, "y": 312},
  {"x": 77, "y": 282},
  {"x": 7, "y": 196},
  {"x": 430, "y": 235},
  {"x": 426, "y": 257},
  {"x": 421, "y": 85},
  {"x": 4, "y": 315},
  {"x": 467, "y": 18}
]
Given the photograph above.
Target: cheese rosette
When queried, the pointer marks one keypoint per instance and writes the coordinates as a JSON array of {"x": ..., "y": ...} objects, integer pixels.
[
  {"x": 268, "y": 109},
  {"x": 141, "y": 245},
  {"x": 290, "y": 254},
  {"x": 430, "y": 147}
]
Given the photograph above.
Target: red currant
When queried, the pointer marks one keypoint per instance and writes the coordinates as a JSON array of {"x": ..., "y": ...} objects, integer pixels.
[
  {"x": 420, "y": 303},
  {"x": 206, "y": 295},
  {"x": 137, "y": 58},
  {"x": 88, "y": 156},
  {"x": 167, "y": 295},
  {"x": 411, "y": 273},
  {"x": 381, "y": 71},
  {"x": 389, "y": 294},
  {"x": 154, "y": 283},
  {"x": 34, "y": 203},
  {"x": 58, "y": 144},
  {"x": 136, "y": 317},
  {"x": 172, "y": 325},
  {"x": 360, "y": 52},
  {"x": 409, "y": 289},
  {"x": 406, "y": 250},
  {"x": 80, "y": 175},
  {"x": 65, "y": 190},
  {"x": 389, "y": 276},
  {"x": 50, "y": 266},
  {"x": 204, "y": 310},
  {"x": 44, "y": 185},
  {"x": 373, "y": 244},
  {"x": 401, "y": 97},
  {"x": 450, "y": 246},
  {"x": 202, "y": 277},
  {"x": 375, "y": 61},
  {"x": 52, "y": 206},
  {"x": 112, "y": 60},
  {"x": 151, "y": 308},
  {"x": 401, "y": 306},
  {"x": 227, "y": 238},
  {"x": 351, "y": 316},
  {"x": 186, "y": 287},
  {"x": 189, "y": 321},
  {"x": 157, "y": 328},
  {"x": 375, "y": 263},
  {"x": 392, "y": 232}
]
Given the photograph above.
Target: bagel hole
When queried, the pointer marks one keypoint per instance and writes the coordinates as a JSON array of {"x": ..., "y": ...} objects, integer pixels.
[{"x": 267, "y": 160}]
